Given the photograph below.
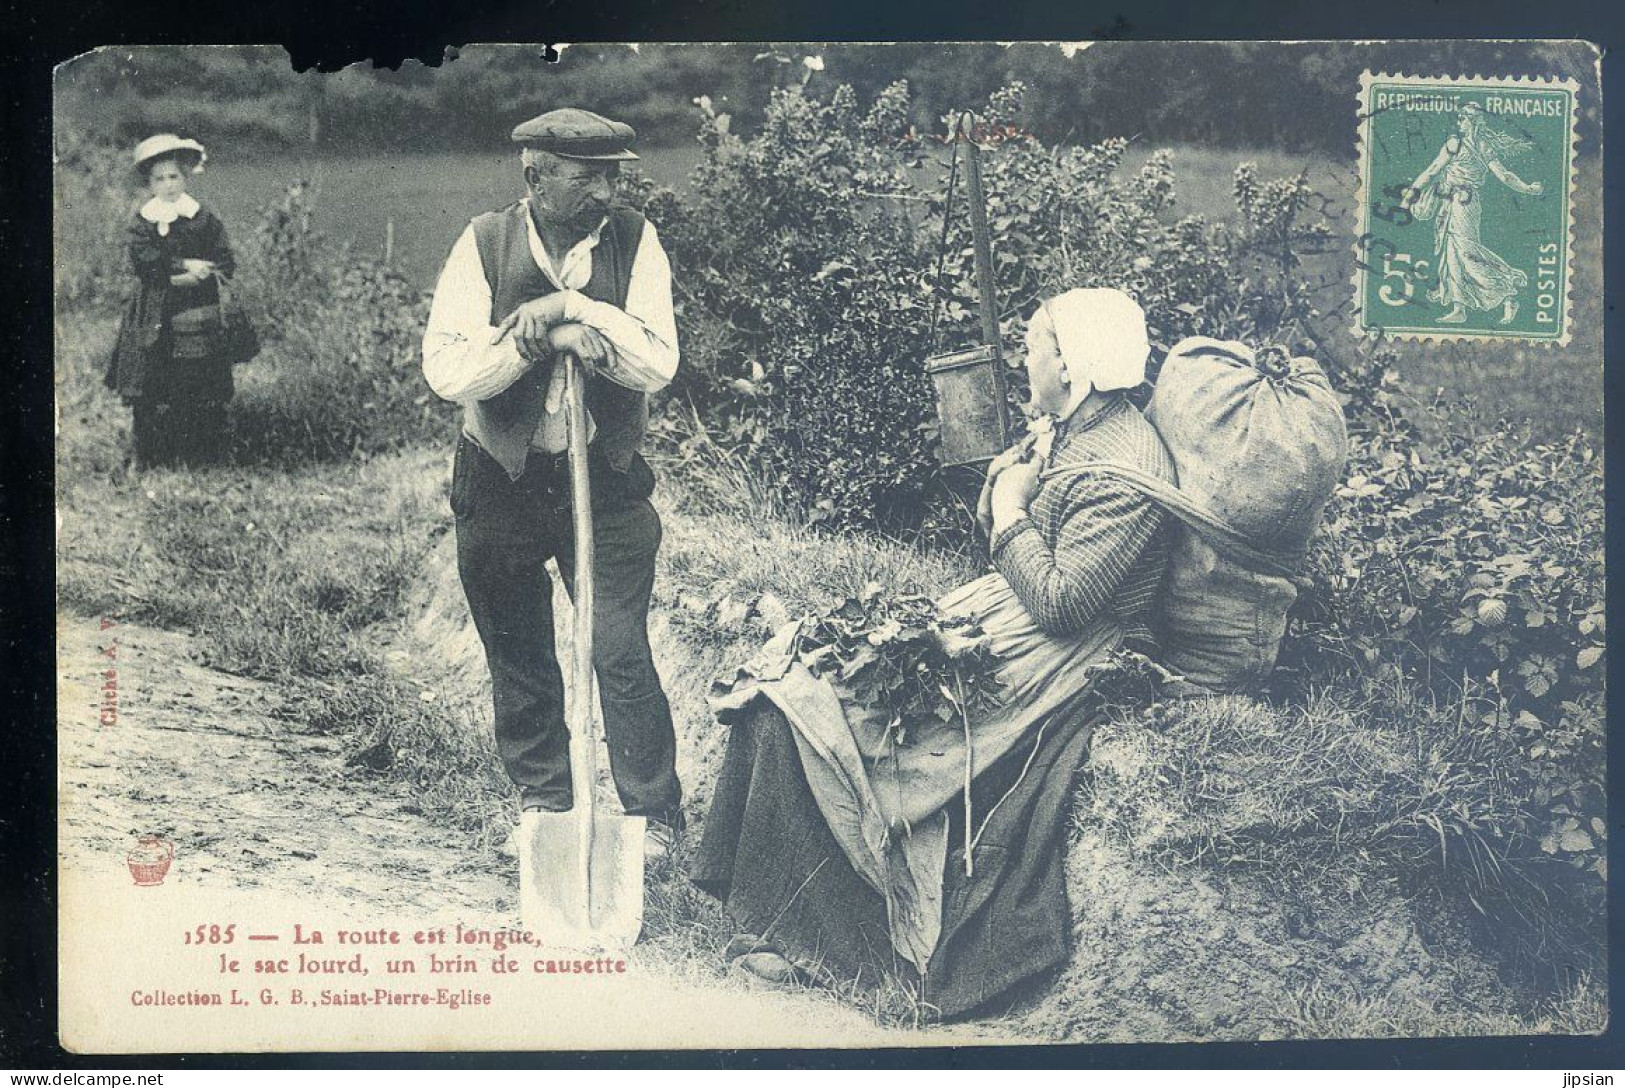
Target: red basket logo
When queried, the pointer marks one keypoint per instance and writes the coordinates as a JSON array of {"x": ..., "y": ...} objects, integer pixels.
[{"x": 149, "y": 860}]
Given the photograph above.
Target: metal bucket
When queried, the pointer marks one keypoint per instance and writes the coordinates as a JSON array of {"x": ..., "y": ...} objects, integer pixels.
[{"x": 971, "y": 415}]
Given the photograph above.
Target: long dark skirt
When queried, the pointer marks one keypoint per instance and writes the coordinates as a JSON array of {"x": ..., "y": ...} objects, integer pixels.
[
  {"x": 181, "y": 416},
  {"x": 768, "y": 854}
]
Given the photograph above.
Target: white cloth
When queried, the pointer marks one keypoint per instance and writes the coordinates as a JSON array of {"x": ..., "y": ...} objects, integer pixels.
[
  {"x": 164, "y": 212},
  {"x": 461, "y": 364},
  {"x": 1102, "y": 337}
]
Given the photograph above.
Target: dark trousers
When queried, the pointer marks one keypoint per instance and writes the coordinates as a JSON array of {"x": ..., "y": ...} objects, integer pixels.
[{"x": 506, "y": 532}]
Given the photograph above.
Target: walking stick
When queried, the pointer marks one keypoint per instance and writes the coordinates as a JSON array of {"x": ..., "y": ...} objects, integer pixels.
[
  {"x": 581, "y": 670},
  {"x": 982, "y": 253}
]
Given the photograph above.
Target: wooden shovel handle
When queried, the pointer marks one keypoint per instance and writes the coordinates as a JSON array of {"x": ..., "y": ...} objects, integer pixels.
[
  {"x": 581, "y": 670},
  {"x": 584, "y": 761}
]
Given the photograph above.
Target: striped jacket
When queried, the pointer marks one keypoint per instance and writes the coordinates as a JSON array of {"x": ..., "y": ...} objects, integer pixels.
[{"x": 1090, "y": 544}]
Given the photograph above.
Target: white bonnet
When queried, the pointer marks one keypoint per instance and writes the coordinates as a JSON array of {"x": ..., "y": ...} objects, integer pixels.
[{"x": 1102, "y": 339}]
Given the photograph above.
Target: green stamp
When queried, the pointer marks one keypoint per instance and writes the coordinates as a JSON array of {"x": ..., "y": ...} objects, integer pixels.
[{"x": 1465, "y": 198}]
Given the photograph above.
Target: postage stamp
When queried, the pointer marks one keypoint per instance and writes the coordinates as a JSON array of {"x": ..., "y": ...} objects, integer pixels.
[{"x": 1466, "y": 218}]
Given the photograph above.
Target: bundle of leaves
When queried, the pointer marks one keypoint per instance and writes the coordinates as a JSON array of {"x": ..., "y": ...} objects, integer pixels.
[{"x": 897, "y": 651}]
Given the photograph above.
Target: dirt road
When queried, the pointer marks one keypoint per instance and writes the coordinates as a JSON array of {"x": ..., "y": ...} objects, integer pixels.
[{"x": 270, "y": 825}]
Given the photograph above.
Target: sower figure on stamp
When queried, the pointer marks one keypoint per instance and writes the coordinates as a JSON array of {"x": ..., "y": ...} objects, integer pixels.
[
  {"x": 1451, "y": 193},
  {"x": 561, "y": 272}
]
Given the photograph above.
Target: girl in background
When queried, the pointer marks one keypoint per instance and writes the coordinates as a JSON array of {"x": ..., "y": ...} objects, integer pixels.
[{"x": 169, "y": 363}]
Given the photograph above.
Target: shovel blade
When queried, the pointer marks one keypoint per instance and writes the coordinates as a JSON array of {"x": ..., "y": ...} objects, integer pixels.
[{"x": 557, "y": 904}]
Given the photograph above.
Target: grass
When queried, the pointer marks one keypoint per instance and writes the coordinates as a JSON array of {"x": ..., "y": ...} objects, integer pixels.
[
  {"x": 337, "y": 581},
  {"x": 1581, "y": 1009},
  {"x": 1365, "y": 791},
  {"x": 331, "y": 605},
  {"x": 1317, "y": 796}
]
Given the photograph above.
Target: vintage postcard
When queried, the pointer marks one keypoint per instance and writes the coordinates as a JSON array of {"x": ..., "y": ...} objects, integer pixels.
[{"x": 634, "y": 546}]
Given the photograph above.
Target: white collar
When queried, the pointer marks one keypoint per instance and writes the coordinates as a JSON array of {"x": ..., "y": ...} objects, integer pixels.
[
  {"x": 164, "y": 212},
  {"x": 576, "y": 268}
]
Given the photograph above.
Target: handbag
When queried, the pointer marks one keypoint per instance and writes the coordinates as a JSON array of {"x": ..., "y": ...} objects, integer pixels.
[
  {"x": 195, "y": 333},
  {"x": 239, "y": 340},
  {"x": 219, "y": 330}
]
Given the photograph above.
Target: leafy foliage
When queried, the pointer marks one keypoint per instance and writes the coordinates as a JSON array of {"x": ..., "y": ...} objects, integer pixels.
[
  {"x": 1474, "y": 565},
  {"x": 806, "y": 265},
  {"x": 900, "y": 652},
  {"x": 95, "y": 194},
  {"x": 341, "y": 374}
]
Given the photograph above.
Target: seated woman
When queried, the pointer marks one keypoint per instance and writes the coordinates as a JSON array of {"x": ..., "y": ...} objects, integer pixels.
[{"x": 845, "y": 853}]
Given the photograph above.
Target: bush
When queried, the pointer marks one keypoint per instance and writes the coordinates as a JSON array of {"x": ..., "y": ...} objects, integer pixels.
[
  {"x": 1474, "y": 567},
  {"x": 806, "y": 270},
  {"x": 95, "y": 196},
  {"x": 1455, "y": 600},
  {"x": 341, "y": 374}
]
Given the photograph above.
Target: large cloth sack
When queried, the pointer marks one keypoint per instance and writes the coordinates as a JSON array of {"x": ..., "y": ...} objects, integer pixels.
[
  {"x": 1259, "y": 447},
  {"x": 1259, "y": 444},
  {"x": 1222, "y": 623}
]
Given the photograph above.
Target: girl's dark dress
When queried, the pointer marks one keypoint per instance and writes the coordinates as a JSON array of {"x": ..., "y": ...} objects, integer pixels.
[{"x": 179, "y": 403}]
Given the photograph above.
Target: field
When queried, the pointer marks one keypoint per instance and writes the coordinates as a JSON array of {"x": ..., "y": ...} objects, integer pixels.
[{"x": 429, "y": 198}]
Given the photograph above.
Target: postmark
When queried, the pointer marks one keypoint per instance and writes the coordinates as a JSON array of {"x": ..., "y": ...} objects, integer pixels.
[{"x": 1465, "y": 208}]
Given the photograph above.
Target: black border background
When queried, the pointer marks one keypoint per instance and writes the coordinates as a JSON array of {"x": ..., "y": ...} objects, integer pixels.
[{"x": 330, "y": 35}]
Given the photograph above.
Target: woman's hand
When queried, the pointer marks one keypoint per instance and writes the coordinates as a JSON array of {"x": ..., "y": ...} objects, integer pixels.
[
  {"x": 1015, "y": 455},
  {"x": 1013, "y": 493},
  {"x": 199, "y": 268},
  {"x": 186, "y": 279}
]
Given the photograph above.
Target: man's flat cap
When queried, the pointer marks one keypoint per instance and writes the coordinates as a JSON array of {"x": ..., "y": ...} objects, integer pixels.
[{"x": 578, "y": 134}]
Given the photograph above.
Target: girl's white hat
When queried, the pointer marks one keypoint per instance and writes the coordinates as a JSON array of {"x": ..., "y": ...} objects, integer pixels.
[{"x": 167, "y": 143}]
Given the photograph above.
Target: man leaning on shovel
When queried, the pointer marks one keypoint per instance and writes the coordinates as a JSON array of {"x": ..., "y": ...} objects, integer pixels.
[{"x": 562, "y": 273}]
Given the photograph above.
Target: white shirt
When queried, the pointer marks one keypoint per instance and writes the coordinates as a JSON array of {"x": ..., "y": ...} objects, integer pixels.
[{"x": 462, "y": 364}]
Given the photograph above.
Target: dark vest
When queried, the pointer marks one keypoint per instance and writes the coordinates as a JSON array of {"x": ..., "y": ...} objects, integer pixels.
[{"x": 503, "y": 424}]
